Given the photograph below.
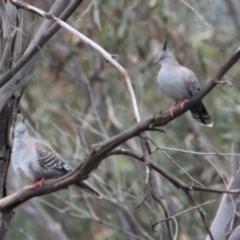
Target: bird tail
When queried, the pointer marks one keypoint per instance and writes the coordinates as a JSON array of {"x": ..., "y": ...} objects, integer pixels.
[
  {"x": 201, "y": 115},
  {"x": 89, "y": 189}
]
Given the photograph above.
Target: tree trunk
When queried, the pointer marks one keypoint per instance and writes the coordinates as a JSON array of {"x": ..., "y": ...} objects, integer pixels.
[{"x": 6, "y": 116}]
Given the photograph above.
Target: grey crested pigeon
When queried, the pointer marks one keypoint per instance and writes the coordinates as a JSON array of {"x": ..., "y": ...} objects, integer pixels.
[
  {"x": 36, "y": 160},
  {"x": 180, "y": 83}
]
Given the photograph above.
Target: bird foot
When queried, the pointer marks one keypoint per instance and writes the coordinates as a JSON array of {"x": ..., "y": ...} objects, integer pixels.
[
  {"x": 38, "y": 182},
  {"x": 171, "y": 109},
  {"x": 183, "y": 103}
]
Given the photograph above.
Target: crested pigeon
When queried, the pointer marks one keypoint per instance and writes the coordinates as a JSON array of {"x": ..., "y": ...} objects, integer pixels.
[
  {"x": 180, "y": 83},
  {"x": 36, "y": 160}
]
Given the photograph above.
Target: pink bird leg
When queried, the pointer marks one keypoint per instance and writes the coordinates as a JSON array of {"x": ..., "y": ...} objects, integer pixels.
[
  {"x": 183, "y": 103},
  {"x": 172, "y": 108},
  {"x": 38, "y": 182}
]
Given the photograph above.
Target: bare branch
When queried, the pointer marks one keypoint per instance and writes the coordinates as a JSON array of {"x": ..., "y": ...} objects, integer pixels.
[
  {"x": 172, "y": 178},
  {"x": 91, "y": 43},
  {"x": 145, "y": 158},
  {"x": 197, "y": 14},
  {"x": 23, "y": 65},
  {"x": 234, "y": 14},
  {"x": 167, "y": 216},
  {"x": 202, "y": 214}
]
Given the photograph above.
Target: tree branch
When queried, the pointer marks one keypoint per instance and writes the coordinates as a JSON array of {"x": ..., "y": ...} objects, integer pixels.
[
  {"x": 91, "y": 43},
  {"x": 172, "y": 178},
  {"x": 23, "y": 65}
]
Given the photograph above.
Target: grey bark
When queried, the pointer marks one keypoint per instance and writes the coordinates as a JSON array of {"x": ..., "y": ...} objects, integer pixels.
[{"x": 227, "y": 218}]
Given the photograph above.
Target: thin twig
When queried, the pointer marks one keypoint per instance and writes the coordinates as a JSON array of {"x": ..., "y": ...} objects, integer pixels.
[
  {"x": 166, "y": 213},
  {"x": 142, "y": 200},
  {"x": 184, "y": 211},
  {"x": 201, "y": 212},
  {"x": 175, "y": 163},
  {"x": 198, "y": 153},
  {"x": 172, "y": 178},
  {"x": 145, "y": 159},
  {"x": 197, "y": 14}
]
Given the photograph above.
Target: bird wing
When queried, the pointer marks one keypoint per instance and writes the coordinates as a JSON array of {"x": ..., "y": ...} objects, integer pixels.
[
  {"x": 49, "y": 159},
  {"x": 191, "y": 81}
]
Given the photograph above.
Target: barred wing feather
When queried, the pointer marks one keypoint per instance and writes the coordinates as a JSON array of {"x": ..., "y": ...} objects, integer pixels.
[{"x": 49, "y": 159}]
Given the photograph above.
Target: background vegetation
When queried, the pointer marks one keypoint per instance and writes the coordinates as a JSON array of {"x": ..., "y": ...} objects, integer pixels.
[{"x": 77, "y": 99}]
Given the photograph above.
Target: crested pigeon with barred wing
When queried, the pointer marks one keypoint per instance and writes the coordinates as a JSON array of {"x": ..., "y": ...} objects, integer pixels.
[
  {"x": 180, "y": 83},
  {"x": 36, "y": 160}
]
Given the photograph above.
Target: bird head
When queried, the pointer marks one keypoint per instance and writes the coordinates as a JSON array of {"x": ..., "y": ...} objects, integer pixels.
[
  {"x": 165, "y": 56},
  {"x": 20, "y": 129}
]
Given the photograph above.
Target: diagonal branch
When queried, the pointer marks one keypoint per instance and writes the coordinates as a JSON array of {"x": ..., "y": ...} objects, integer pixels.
[
  {"x": 11, "y": 80},
  {"x": 91, "y": 43}
]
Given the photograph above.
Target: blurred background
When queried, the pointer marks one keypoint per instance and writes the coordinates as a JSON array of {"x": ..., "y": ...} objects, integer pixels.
[{"x": 77, "y": 99}]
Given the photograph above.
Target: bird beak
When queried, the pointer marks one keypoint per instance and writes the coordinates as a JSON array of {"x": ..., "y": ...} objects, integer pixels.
[
  {"x": 165, "y": 46},
  {"x": 23, "y": 120}
]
